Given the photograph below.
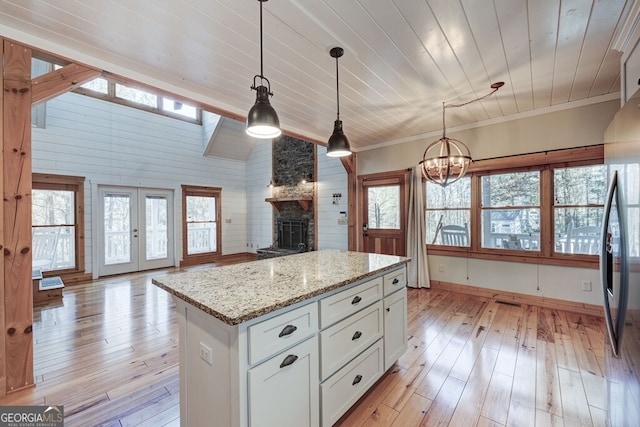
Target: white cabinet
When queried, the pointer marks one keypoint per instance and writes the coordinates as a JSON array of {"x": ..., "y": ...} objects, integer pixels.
[
  {"x": 302, "y": 365},
  {"x": 395, "y": 327},
  {"x": 283, "y": 391}
]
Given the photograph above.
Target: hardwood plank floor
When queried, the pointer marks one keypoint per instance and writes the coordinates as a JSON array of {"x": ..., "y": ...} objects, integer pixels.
[{"x": 109, "y": 353}]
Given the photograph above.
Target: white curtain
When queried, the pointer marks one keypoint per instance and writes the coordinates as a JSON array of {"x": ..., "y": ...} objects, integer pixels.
[{"x": 417, "y": 269}]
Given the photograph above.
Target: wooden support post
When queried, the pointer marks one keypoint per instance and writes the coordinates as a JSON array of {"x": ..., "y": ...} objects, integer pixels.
[
  {"x": 16, "y": 220},
  {"x": 349, "y": 164}
]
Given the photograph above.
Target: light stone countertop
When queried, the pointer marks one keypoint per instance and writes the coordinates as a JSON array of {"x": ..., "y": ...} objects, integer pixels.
[{"x": 240, "y": 292}]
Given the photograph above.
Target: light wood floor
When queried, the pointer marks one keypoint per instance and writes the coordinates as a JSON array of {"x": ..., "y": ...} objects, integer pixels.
[{"x": 109, "y": 354}]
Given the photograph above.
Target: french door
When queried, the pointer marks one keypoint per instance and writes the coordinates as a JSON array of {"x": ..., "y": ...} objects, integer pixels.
[
  {"x": 135, "y": 229},
  {"x": 383, "y": 207}
]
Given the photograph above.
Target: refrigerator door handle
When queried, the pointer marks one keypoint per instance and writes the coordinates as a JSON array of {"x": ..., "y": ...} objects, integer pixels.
[{"x": 607, "y": 265}]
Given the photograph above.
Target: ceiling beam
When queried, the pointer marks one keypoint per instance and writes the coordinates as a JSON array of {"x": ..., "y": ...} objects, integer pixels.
[{"x": 62, "y": 80}]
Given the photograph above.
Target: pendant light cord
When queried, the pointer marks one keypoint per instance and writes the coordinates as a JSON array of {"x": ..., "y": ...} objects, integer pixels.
[
  {"x": 337, "y": 91},
  {"x": 261, "y": 59}
]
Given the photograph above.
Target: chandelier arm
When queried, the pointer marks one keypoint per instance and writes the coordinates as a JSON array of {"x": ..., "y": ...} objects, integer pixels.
[{"x": 495, "y": 88}]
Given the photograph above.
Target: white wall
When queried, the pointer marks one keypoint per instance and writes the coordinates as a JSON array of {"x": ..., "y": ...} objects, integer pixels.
[
  {"x": 576, "y": 127},
  {"x": 332, "y": 178},
  {"x": 116, "y": 145},
  {"x": 259, "y": 212}
]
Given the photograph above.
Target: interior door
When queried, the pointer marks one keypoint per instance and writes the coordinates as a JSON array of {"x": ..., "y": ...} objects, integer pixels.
[
  {"x": 383, "y": 207},
  {"x": 135, "y": 229}
]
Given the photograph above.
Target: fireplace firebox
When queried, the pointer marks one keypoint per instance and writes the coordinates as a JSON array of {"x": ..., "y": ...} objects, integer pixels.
[{"x": 291, "y": 238}]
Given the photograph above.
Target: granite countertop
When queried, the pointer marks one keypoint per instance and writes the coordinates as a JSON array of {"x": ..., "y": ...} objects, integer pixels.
[{"x": 241, "y": 292}]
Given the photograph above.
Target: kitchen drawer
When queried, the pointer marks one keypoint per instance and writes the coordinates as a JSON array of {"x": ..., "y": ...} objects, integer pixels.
[
  {"x": 343, "y": 389},
  {"x": 343, "y": 304},
  {"x": 345, "y": 340},
  {"x": 395, "y": 280},
  {"x": 274, "y": 335}
]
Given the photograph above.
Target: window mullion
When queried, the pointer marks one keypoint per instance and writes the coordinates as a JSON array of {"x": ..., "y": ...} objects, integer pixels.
[
  {"x": 546, "y": 211},
  {"x": 475, "y": 213}
]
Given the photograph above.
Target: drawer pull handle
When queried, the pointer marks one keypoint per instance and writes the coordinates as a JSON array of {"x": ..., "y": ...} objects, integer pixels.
[
  {"x": 357, "y": 335},
  {"x": 357, "y": 379},
  {"x": 395, "y": 281},
  {"x": 356, "y": 300},
  {"x": 288, "y": 330},
  {"x": 289, "y": 360}
]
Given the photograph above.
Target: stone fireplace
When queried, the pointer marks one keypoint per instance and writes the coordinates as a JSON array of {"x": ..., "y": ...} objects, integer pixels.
[{"x": 292, "y": 197}]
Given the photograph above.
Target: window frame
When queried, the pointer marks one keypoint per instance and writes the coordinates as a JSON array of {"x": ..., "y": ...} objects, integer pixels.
[
  {"x": 198, "y": 191},
  {"x": 545, "y": 162},
  {"x": 41, "y": 181},
  {"x": 110, "y": 96}
]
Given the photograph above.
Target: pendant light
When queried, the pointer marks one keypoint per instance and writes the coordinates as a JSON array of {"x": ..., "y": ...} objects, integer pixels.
[
  {"x": 262, "y": 121},
  {"x": 338, "y": 145},
  {"x": 447, "y": 160}
]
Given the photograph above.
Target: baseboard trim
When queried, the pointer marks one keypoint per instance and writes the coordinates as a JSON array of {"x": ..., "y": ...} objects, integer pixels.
[{"x": 517, "y": 298}]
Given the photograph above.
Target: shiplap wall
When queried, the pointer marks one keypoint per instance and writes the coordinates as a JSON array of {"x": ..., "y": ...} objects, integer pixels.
[
  {"x": 115, "y": 145},
  {"x": 259, "y": 212},
  {"x": 332, "y": 178}
]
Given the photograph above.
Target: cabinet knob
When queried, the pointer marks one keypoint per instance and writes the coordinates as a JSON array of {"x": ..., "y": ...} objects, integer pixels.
[
  {"x": 395, "y": 281},
  {"x": 388, "y": 309},
  {"x": 289, "y": 360},
  {"x": 356, "y": 300},
  {"x": 288, "y": 330},
  {"x": 357, "y": 335},
  {"x": 357, "y": 379}
]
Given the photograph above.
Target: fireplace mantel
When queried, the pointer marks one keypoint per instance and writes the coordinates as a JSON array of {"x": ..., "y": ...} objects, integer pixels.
[{"x": 305, "y": 202}]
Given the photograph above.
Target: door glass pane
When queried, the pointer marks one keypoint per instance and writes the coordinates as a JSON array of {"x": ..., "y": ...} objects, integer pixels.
[
  {"x": 117, "y": 228},
  {"x": 156, "y": 227},
  {"x": 384, "y": 207}
]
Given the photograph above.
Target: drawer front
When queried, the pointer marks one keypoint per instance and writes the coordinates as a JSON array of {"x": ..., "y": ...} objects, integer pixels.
[
  {"x": 345, "y": 340},
  {"x": 345, "y": 303},
  {"x": 273, "y": 335},
  {"x": 283, "y": 391},
  {"x": 343, "y": 389},
  {"x": 395, "y": 280}
]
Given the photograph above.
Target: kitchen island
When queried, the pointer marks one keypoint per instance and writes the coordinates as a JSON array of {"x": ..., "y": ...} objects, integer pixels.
[{"x": 288, "y": 341}]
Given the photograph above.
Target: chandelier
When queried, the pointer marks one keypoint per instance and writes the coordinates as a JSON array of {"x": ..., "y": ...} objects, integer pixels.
[{"x": 447, "y": 160}]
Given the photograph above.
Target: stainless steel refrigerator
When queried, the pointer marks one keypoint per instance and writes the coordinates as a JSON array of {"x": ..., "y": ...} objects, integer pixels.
[{"x": 620, "y": 267}]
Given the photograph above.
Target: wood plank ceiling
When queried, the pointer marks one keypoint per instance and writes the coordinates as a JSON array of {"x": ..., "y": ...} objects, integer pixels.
[{"x": 403, "y": 58}]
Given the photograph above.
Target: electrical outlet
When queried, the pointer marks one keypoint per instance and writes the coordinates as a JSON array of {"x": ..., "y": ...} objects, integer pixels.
[
  {"x": 441, "y": 268},
  {"x": 586, "y": 285},
  {"x": 206, "y": 354}
]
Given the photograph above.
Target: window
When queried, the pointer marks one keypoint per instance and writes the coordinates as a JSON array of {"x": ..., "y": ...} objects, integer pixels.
[
  {"x": 510, "y": 211},
  {"x": 57, "y": 223},
  {"x": 142, "y": 99},
  {"x": 448, "y": 213},
  {"x": 540, "y": 207},
  {"x": 578, "y": 203},
  {"x": 201, "y": 221}
]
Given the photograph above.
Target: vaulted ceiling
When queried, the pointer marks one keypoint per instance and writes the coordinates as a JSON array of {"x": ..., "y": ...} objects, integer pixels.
[{"x": 403, "y": 58}]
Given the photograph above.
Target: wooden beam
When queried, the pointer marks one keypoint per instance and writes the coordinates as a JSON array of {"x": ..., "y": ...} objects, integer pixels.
[
  {"x": 55, "y": 83},
  {"x": 3, "y": 358},
  {"x": 18, "y": 292}
]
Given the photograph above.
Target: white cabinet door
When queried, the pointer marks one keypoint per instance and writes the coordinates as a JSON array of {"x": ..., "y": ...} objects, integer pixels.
[
  {"x": 284, "y": 390},
  {"x": 395, "y": 327}
]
